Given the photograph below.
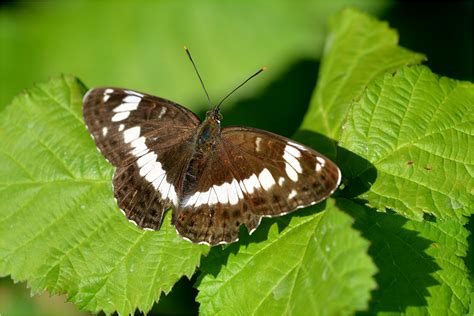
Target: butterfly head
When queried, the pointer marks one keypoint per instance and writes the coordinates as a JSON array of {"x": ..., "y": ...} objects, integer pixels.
[{"x": 214, "y": 114}]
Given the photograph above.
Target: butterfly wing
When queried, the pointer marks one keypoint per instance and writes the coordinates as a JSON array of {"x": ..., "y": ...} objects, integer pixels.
[
  {"x": 290, "y": 175},
  {"x": 251, "y": 174},
  {"x": 145, "y": 137}
]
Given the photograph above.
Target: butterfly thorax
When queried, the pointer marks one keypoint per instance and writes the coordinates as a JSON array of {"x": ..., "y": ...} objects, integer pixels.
[{"x": 208, "y": 131}]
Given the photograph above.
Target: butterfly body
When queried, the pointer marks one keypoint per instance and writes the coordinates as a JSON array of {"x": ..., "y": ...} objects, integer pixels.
[
  {"x": 209, "y": 131},
  {"x": 214, "y": 179}
]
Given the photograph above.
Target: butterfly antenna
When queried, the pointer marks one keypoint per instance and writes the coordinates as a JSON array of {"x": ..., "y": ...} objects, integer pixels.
[
  {"x": 240, "y": 85},
  {"x": 199, "y": 76}
]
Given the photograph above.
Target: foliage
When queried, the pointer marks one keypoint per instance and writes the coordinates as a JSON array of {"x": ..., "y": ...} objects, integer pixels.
[{"x": 402, "y": 136}]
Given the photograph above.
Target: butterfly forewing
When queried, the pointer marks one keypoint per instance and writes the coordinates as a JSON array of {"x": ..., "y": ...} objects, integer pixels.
[
  {"x": 116, "y": 116},
  {"x": 285, "y": 174},
  {"x": 144, "y": 137}
]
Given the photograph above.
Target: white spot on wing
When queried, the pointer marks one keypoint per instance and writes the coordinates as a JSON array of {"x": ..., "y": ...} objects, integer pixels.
[
  {"x": 132, "y": 99},
  {"x": 291, "y": 159},
  {"x": 251, "y": 184},
  {"x": 131, "y": 134},
  {"x": 121, "y": 127},
  {"x": 146, "y": 168},
  {"x": 157, "y": 182},
  {"x": 213, "y": 197},
  {"x": 318, "y": 167},
  {"x": 143, "y": 160},
  {"x": 291, "y": 172},
  {"x": 280, "y": 181},
  {"x": 104, "y": 131},
  {"x": 203, "y": 198},
  {"x": 120, "y": 116},
  {"x": 155, "y": 173},
  {"x": 321, "y": 161},
  {"x": 292, "y": 194},
  {"x": 301, "y": 147},
  {"x": 258, "y": 140},
  {"x": 106, "y": 94},
  {"x": 266, "y": 179},
  {"x": 192, "y": 200},
  {"x": 134, "y": 93},
  {"x": 232, "y": 193},
  {"x": 293, "y": 151},
  {"x": 125, "y": 107},
  {"x": 238, "y": 189},
  {"x": 150, "y": 168},
  {"x": 162, "y": 112},
  {"x": 222, "y": 193},
  {"x": 139, "y": 147},
  {"x": 172, "y": 195}
]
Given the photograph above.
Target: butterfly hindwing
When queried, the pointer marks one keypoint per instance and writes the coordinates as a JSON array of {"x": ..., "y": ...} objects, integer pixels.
[{"x": 145, "y": 138}]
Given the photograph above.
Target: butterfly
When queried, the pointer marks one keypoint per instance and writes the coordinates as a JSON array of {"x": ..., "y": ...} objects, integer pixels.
[{"x": 214, "y": 179}]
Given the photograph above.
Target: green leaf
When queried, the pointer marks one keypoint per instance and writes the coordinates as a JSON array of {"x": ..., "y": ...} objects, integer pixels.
[
  {"x": 471, "y": 306},
  {"x": 421, "y": 269},
  {"x": 317, "y": 264},
  {"x": 416, "y": 129},
  {"x": 60, "y": 228},
  {"x": 358, "y": 48}
]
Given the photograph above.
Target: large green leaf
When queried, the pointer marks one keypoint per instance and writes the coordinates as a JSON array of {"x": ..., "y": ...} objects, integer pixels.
[
  {"x": 421, "y": 269},
  {"x": 358, "y": 48},
  {"x": 60, "y": 228},
  {"x": 316, "y": 265},
  {"x": 417, "y": 130}
]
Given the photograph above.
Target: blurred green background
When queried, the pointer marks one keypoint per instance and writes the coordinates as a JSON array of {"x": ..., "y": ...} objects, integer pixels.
[{"x": 139, "y": 45}]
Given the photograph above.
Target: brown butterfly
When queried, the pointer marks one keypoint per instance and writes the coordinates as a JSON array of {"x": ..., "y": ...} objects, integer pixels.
[{"x": 215, "y": 179}]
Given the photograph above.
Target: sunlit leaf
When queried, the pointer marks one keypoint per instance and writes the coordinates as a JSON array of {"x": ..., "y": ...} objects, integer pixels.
[{"x": 416, "y": 129}]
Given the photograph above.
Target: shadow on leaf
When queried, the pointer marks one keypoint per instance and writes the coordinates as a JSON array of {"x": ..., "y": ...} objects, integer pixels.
[{"x": 405, "y": 269}]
